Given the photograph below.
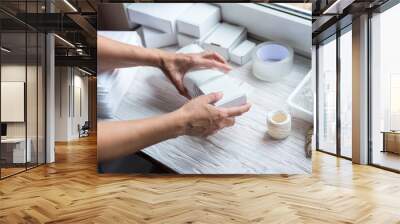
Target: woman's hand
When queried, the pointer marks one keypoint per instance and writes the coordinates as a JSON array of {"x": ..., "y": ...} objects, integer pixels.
[
  {"x": 175, "y": 66},
  {"x": 201, "y": 118}
]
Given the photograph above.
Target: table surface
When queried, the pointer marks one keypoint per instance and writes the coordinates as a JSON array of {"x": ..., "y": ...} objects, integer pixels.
[
  {"x": 244, "y": 148},
  {"x": 13, "y": 140}
]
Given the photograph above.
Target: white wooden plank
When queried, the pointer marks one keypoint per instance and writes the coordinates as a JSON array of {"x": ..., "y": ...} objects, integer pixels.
[{"x": 242, "y": 149}]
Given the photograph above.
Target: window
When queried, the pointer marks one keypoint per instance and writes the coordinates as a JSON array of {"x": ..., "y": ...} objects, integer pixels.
[
  {"x": 302, "y": 10},
  {"x": 385, "y": 90},
  {"x": 22, "y": 66},
  {"x": 394, "y": 102},
  {"x": 346, "y": 93},
  {"x": 327, "y": 96},
  {"x": 334, "y": 100}
]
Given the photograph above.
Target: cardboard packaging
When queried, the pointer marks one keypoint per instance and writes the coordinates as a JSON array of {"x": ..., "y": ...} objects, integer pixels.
[
  {"x": 184, "y": 39},
  {"x": 198, "y": 19},
  {"x": 242, "y": 53},
  {"x": 159, "y": 16},
  {"x": 205, "y": 81},
  {"x": 152, "y": 38},
  {"x": 225, "y": 38},
  {"x": 232, "y": 94}
]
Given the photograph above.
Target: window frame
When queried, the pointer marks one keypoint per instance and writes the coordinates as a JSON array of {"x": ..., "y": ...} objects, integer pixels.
[
  {"x": 381, "y": 9},
  {"x": 334, "y": 37},
  {"x": 289, "y": 9}
]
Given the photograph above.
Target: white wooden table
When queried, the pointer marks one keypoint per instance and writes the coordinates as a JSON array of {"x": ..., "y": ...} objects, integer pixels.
[
  {"x": 17, "y": 145},
  {"x": 242, "y": 149}
]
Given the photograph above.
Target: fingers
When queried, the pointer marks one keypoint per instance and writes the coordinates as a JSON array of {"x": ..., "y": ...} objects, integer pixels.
[
  {"x": 210, "y": 63},
  {"x": 179, "y": 86},
  {"x": 215, "y": 56},
  {"x": 213, "y": 60},
  {"x": 224, "y": 123},
  {"x": 211, "y": 98},
  {"x": 236, "y": 111},
  {"x": 227, "y": 122},
  {"x": 178, "y": 83}
]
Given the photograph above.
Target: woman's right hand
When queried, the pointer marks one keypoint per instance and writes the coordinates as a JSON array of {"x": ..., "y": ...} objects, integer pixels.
[{"x": 201, "y": 118}]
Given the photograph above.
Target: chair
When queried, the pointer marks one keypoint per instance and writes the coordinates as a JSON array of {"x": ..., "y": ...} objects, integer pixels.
[{"x": 84, "y": 130}]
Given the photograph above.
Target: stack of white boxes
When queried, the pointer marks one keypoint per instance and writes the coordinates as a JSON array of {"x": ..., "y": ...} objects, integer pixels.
[
  {"x": 165, "y": 24},
  {"x": 158, "y": 21},
  {"x": 197, "y": 23}
]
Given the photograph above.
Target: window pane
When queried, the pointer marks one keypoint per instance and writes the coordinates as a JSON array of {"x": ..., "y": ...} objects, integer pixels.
[
  {"x": 346, "y": 94},
  {"x": 302, "y": 7},
  {"x": 302, "y": 10},
  {"x": 385, "y": 114},
  {"x": 13, "y": 86},
  {"x": 31, "y": 98},
  {"x": 327, "y": 97},
  {"x": 41, "y": 98}
]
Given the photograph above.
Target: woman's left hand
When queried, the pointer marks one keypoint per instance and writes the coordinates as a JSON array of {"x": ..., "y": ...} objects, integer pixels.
[{"x": 175, "y": 66}]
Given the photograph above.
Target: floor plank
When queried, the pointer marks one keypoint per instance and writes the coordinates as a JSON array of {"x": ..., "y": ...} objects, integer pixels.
[{"x": 71, "y": 191}]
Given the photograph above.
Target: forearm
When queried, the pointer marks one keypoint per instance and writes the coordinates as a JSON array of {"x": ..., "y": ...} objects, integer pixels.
[
  {"x": 120, "y": 138},
  {"x": 113, "y": 54}
]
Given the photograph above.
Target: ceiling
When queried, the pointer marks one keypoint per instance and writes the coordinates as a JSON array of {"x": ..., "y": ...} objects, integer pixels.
[
  {"x": 332, "y": 15},
  {"x": 73, "y": 20}
]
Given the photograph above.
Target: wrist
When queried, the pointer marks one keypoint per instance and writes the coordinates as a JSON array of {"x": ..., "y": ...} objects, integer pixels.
[
  {"x": 162, "y": 59},
  {"x": 180, "y": 120}
]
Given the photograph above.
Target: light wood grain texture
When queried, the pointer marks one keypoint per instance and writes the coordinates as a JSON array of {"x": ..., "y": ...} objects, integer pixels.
[
  {"x": 242, "y": 149},
  {"x": 71, "y": 191}
]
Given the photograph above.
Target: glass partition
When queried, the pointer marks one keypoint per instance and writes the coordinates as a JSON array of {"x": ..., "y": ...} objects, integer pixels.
[
  {"x": 14, "y": 154},
  {"x": 22, "y": 77},
  {"x": 385, "y": 90},
  {"x": 346, "y": 93},
  {"x": 41, "y": 108},
  {"x": 327, "y": 96}
]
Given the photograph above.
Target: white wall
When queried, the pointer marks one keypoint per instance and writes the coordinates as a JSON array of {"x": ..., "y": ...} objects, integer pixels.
[
  {"x": 34, "y": 125},
  {"x": 17, "y": 72},
  {"x": 67, "y": 115},
  {"x": 62, "y": 81}
]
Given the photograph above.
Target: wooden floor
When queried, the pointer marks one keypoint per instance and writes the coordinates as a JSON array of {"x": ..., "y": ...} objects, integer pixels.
[
  {"x": 71, "y": 191},
  {"x": 387, "y": 159}
]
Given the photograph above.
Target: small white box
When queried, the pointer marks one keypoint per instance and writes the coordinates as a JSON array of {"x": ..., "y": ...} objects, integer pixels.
[
  {"x": 225, "y": 38},
  {"x": 184, "y": 39},
  {"x": 242, "y": 53},
  {"x": 232, "y": 94},
  {"x": 159, "y": 16},
  {"x": 198, "y": 19},
  {"x": 152, "y": 38}
]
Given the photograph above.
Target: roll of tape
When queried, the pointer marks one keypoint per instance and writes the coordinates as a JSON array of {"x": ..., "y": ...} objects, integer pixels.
[
  {"x": 272, "y": 61},
  {"x": 279, "y": 123}
]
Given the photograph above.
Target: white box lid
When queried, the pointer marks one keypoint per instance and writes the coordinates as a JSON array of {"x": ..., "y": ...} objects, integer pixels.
[
  {"x": 232, "y": 92},
  {"x": 161, "y": 16},
  {"x": 198, "y": 13},
  {"x": 243, "y": 48},
  {"x": 200, "y": 16},
  {"x": 225, "y": 35}
]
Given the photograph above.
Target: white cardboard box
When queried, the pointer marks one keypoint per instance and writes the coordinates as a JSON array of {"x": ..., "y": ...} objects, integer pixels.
[
  {"x": 232, "y": 94},
  {"x": 198, "y": 19},
  {"x": 225, "y": 38},
  {"x": 152, "y": 38},
  {"x": 159, "y": 16},
  {"x": 184, "y": 39},
  {"x": 242, "y": 53}
]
